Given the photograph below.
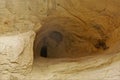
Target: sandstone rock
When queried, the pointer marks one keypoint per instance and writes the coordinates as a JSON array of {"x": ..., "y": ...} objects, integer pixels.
[
  {"x": 99, "y": 20},
  {"x": 101, "y": 67},
  {"x": 16, "y": 54}
]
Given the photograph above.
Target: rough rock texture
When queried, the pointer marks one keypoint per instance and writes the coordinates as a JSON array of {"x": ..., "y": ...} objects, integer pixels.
[
  {"x": 101, "y": 67},
  {"x": 68, "y": 37},
  {"x": 88, "y": 29},
  {"x": 16, "y": 55}
]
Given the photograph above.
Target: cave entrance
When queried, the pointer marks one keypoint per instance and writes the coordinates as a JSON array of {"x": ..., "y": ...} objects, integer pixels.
[
  {"x": 43, "y": 51},
  {"x": 65, "y": 37}
]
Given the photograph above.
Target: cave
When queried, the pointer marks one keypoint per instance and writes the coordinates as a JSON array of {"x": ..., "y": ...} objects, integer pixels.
[
  {"x": 43, "y": 52},
  {"x": 59, "y": 40},
  {"x": 72, "y": 39}
]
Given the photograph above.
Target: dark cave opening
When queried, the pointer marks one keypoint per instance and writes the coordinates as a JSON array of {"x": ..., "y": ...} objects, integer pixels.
[
  {"x": 43, "y": 51},
  {"x": 54, "y": 40}
]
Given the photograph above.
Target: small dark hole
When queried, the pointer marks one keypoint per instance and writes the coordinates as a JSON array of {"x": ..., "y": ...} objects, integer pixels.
[
  {"x": 43, "y": 52},
  {"x": 101, "y": 44}
]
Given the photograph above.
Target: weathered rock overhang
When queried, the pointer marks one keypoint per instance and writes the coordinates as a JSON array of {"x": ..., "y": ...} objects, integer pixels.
[{"x": 75, "y": 39}]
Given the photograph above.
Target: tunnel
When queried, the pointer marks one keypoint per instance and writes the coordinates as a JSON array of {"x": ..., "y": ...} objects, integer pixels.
[
  {"x": 66, "y": 37},
  {"x": 64, "y": 46},
  {"x": 59, "y": 39},
  {"x": 43, "y": 52}
]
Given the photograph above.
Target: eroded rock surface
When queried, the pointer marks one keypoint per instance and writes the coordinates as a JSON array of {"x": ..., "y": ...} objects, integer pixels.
[
  {"x": 16, "y": 55},
  {"x": 85, "y": 26}
]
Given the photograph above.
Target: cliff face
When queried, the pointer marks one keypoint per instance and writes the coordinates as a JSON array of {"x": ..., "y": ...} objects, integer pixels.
[{"x": 79, "y": 39}]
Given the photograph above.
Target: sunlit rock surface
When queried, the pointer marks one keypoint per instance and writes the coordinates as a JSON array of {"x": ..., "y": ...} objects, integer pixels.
[
  {"x": 16, "y": 55},
  {"x": 87, "y": 32}
]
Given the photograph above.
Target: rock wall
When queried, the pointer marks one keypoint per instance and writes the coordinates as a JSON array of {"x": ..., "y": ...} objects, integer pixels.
[
  {"x": 88, "y": 30},
  {"x": 16, "y": 55},
  {"x": 88, "y": 27}
]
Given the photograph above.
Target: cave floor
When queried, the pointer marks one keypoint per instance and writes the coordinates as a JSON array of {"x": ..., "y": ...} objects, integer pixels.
[{"x": 107, "y": 66}]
